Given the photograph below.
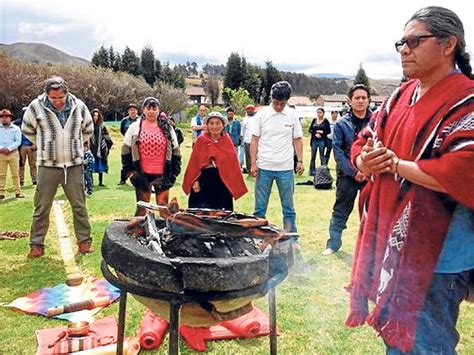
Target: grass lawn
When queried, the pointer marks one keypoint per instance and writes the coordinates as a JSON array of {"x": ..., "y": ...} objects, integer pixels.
[{"x": 311, "y": 303}]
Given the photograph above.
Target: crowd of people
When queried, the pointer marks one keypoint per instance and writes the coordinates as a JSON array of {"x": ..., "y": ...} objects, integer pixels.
[{"x": 411, "y": 162}]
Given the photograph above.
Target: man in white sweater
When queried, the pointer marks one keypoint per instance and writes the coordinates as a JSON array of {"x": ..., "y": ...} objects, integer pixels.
[{"x": 58, "y": 123}]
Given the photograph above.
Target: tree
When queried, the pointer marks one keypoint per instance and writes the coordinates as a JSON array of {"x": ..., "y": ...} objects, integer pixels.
[
  {"x": 252, "y": 81},
  {"x": 271, "y": 76},
  {"x": 147, "y": 62},
  {"x": 211, "y": 87},
  {"x": 361, "y": 77},
  {"x": 100, "y": 58},
  {"x": 172, "y": 99},
  {"x": 114, "y": 59},
  {"x": 173, "y": 76},
  {"x": 213, "y": 69},
  {"x": 238, "y": 99},
  {"x": 193, "y": 69},
  {"x": 233, "y": 74},
  {"x": 130, "y": 62},
  {"x": 158, "y": 73}
]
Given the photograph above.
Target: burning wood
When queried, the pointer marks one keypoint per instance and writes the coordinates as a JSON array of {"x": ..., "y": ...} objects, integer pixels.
[{"x": 203, "y": 232}]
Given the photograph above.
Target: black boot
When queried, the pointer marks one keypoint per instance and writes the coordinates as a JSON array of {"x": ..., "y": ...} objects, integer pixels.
[{"x": 101, "y": 176}]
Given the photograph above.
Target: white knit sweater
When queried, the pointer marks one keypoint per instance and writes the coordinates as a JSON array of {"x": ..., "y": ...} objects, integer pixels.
[{"x": 57, "y": 146}]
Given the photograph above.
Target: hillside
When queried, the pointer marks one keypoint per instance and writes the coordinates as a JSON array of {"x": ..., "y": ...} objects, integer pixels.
[{"x": 40, "y": 53}]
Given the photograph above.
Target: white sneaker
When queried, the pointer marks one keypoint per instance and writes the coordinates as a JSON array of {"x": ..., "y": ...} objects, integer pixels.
[{"x": 327, "y": 252}]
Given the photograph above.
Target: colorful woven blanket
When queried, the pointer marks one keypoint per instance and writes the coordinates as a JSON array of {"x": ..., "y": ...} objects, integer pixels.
[{"x": 62, "y": 295}]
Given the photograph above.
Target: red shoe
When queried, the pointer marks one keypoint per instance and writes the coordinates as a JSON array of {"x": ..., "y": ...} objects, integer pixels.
[
  {"x": 36, "y": 251},
  {"x": 85, "y": 247}
]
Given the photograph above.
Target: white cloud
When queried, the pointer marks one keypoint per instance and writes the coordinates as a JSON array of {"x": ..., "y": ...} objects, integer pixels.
[
  {"x": 333, "y": 36},
  {"x": 39, "y": 29}
]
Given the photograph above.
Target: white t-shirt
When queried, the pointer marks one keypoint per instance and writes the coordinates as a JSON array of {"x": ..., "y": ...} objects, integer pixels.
[
  {"x": 331, "y": 125},
  {"x": 245, "y": 129},
  {"x": 276, "y": 131}
]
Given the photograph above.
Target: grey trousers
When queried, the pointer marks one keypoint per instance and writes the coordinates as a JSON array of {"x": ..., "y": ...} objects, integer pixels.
[{"x": 72, "y": 181}]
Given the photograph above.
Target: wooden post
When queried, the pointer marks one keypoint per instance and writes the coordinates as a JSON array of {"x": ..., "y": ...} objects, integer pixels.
[{"x": 73, "y": 273}]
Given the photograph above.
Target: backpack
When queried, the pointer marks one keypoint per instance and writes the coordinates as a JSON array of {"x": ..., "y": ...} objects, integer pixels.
[{"x": 322, "y": 178}]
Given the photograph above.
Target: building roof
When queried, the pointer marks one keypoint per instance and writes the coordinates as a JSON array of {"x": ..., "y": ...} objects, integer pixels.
[
  {"x": 334, "y": 98},
  {"x": 195, "y": 91},
  {"x": 300, "y": 101}
]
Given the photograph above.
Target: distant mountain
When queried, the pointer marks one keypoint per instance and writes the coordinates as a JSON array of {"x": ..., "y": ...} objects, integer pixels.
[
  {"x": 332, "y": 76},
  {"x": 40, "y": 53}
]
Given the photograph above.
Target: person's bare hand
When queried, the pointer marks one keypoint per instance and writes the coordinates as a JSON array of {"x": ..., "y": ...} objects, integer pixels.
[
  {"x": 196, "y": 187},
  {"x": 299, "y": 168},
  {"x": 360, "y": 177},
  {"x": 376, "y": 159},
  {"x": 254, "y": 170}
]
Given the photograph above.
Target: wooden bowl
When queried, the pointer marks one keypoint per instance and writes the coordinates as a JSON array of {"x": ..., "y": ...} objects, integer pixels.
[{"x": 78, "y": 329}]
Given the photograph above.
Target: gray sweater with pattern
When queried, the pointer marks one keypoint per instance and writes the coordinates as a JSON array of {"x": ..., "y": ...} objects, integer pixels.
[{"x": 58, "y": 147}]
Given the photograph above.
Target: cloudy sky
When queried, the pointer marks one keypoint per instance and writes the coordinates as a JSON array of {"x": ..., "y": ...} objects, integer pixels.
[{"x": 300, "y": 36}]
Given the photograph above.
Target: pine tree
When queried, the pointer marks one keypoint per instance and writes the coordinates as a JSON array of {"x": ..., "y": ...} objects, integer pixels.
[
  {"x": 361, "y": 77},
  {"x": 100, "y": 58},
  {"x": 233, "y": 74},
  {"x": 158, "y": 73},
  {"x": 147, "y": 62},
  {"x": 173, "y": 76},
  {"x": 114, "y": 59},
  {"x": 130, "y": 62},
  {"x": 252, "y": 81}
]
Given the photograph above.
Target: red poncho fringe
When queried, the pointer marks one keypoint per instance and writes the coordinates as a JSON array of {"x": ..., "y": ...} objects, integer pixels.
[
  {"x": 403, "y": 225},
  {"x": 225, "y": 157}
]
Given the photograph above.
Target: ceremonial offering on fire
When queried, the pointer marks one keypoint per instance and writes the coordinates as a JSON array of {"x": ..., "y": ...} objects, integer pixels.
[{"x": 198, "y": 251}]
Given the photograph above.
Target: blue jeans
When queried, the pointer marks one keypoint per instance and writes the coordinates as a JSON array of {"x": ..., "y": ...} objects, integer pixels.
[
  {"x": 315, "y": 147},
  {"x": 436, "y": 326},
  {"x": 327, "y": 153},
  {"x": 286, "y": 188},
  {"x": 346, "y": 193}
]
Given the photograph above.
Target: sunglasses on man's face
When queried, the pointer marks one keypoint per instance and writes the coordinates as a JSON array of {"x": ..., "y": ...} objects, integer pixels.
[{"x": 411, "y": 42}]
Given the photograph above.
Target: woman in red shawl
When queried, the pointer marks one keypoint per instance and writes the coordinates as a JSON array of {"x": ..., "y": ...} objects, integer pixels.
[
  {"x": 213, "y": 176},
  {"x": 415, "y": 249}
]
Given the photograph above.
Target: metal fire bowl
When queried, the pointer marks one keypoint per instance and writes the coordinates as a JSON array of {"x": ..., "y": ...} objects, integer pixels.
[{"x": 183, "y": 274}]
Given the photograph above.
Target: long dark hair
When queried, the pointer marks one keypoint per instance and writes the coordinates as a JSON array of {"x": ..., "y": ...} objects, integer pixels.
[
  {"x": 100, "y": 120},
  {"x": 444, "y": 23}
]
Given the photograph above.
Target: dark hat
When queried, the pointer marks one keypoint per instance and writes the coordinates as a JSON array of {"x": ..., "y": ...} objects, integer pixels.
[
  {"x": 229, "y": 109},
  {"x": 132, "y": 105},
  {"x": 5, "y": 112},
  {"x": 151, "y": 101}
]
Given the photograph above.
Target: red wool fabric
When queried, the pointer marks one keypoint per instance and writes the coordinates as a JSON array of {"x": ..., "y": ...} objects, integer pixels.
[
  {"x": 403, "y": 225},
  {"x": 152, "y": 148},
  {"x": 223, "y": 153}
]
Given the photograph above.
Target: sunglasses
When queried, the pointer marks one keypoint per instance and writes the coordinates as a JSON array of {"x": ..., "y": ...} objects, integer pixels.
[{"x": 411, "y": 42}]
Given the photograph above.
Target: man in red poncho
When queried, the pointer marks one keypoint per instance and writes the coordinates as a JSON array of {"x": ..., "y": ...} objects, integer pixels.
[{"x": 415, "y": 251}]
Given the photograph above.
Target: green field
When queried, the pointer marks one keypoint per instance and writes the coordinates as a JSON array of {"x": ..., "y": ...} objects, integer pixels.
[{"x": 311, "y": 303}]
